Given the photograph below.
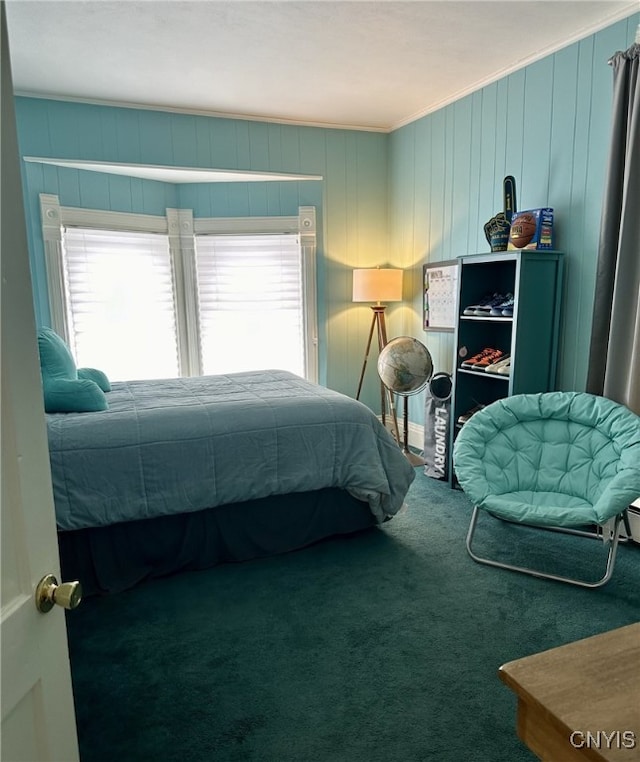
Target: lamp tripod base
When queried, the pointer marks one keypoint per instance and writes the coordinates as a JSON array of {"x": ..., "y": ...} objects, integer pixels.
[{"x": 378, "y": 326}]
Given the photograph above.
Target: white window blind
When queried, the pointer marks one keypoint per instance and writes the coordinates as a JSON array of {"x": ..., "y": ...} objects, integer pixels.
[
  {"x": 251, "y": 309},
  {"x": 120, "y": 300}
]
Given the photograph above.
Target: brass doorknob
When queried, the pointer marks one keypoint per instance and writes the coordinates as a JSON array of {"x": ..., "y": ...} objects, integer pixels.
[{"x": 49, "y": 592}]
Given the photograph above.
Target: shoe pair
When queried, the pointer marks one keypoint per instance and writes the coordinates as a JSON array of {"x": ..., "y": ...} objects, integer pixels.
[
  {"x": 462, "y": 419},
  {"x": 486, "y": 357},
  {"x": 483, "y": 307},
  {"x": 492, "y": 305},
  {"x": 502, "y": 367}
]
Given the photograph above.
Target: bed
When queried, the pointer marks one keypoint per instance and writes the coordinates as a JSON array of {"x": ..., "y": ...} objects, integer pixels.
[{"x": 188, "y": 473}]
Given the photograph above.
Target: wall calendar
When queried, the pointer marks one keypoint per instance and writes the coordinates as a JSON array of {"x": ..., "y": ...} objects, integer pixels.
[{"x": 440, "y": 288}]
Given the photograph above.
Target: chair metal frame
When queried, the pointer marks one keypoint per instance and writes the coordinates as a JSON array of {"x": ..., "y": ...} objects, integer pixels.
[{"x": 621, "y": 518}]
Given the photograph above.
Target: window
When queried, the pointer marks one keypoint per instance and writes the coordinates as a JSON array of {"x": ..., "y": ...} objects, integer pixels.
[
  {"x": 142, "y": 296},
  {"x": 250, "y": 302},
  {"x": 121, "y": 312}
]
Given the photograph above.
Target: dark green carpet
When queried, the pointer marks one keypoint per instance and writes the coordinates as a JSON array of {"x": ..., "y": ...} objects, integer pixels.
[{"x": 381, "y": 646}]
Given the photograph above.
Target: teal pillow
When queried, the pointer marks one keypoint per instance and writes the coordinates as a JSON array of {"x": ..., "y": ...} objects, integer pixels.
[
  {"x": 56, "y": 361},
  {"x": 93, "y": 374},
  {"x": 78, "y": 395},
  {"x": 64, "y": 391}
]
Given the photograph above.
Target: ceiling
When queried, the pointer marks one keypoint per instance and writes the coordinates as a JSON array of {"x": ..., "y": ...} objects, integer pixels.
[{"x": 361, "y": 64}]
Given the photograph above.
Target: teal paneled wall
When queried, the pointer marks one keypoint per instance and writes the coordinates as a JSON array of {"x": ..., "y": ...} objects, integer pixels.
[
  {"x": 548, "y": 125},
  {"x": 254, "y": 199},
  {"x": 351, "y": 199}
]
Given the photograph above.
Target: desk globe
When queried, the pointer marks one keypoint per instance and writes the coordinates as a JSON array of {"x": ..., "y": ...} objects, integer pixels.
[{"x": 405, "y": 367}]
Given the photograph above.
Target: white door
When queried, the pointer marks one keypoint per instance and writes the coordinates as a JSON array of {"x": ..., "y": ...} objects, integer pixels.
[{"x": 38, "y": 722}]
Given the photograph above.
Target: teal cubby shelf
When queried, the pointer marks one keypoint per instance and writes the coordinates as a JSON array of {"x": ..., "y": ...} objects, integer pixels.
[{"x": 530, "y": 336}]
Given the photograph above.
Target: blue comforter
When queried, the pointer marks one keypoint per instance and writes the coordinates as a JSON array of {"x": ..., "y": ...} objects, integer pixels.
[{"x": 180, "y": 445}]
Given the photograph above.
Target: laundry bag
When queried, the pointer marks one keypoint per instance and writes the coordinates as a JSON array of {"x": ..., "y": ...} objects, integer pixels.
[{"x": 437, "y": 421}]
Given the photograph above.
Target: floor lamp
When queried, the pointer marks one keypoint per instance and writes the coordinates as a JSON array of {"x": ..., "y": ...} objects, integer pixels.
[{"x": 377, "y": 285}]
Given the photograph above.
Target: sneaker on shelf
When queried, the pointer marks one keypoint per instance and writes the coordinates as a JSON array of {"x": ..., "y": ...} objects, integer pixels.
[
  {"x": 495, "y": 367},
  {"x": 476, "y": 358},
  {"x": 485, "y": 310},
  {"x": 489, "y": 359},
  {"x": 505, "y": 370},
  {"x": 498, "y": 309},
  {"x": 486, "y": 299},
  {"x": 462, "y": 419},
  {"x": 507, "y": 309}
]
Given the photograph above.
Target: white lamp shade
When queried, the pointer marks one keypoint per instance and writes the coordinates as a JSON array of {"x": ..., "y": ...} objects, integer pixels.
[{"x": 377, "y": 285}]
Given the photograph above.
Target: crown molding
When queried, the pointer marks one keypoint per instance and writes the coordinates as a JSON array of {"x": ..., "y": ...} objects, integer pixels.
[{"x": 198, "y": 112}]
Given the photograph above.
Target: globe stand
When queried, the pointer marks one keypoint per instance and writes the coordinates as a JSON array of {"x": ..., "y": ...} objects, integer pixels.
[
  {"x": 405, "y": 367},
  {"x": 414, "y": 459}
]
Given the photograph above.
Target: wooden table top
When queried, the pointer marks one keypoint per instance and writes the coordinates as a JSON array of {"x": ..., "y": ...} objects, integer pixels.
[{"x": 590, "y": 685}]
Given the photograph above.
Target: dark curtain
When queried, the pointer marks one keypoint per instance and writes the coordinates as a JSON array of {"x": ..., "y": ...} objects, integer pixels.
[{"x": 614, "y": 358}]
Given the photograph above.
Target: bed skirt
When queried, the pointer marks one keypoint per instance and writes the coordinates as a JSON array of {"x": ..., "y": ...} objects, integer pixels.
[{"x": 114, "y": 558}]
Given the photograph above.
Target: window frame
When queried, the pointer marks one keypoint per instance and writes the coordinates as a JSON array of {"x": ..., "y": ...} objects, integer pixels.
[
  {"x": 304, "y": 226},
  {"x": 181, "y": 228}
]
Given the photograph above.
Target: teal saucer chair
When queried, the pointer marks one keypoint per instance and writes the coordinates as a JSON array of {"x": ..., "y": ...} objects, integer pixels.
[{"x": 567, "y": 461}]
